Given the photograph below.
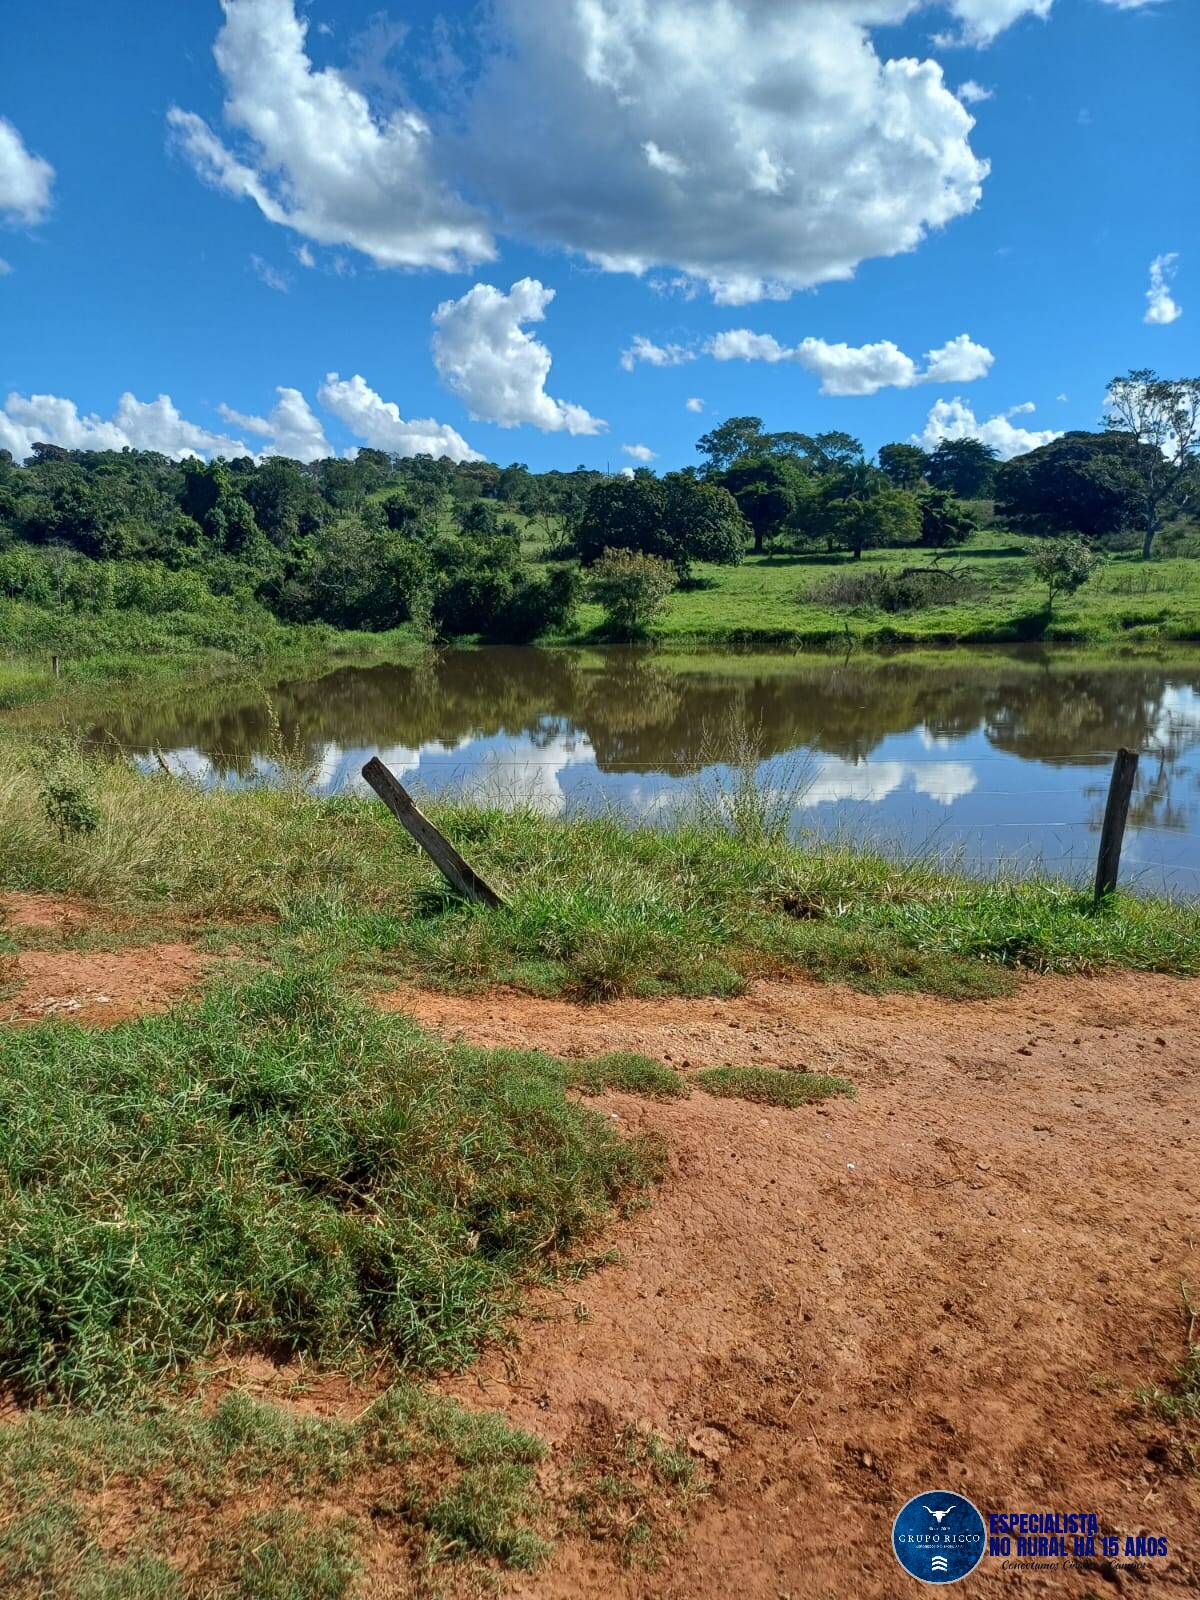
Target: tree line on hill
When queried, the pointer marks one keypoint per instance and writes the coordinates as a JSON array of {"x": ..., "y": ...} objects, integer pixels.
[{"x": 376, "y": 541}]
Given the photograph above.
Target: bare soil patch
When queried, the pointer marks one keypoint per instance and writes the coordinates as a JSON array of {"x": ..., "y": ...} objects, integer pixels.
[
  {"x": 98, "y": 987},
  {"x": 955, "y": 1280},
  {"x": 47, "y": 913},
  {"x": 92, "y": 987}
]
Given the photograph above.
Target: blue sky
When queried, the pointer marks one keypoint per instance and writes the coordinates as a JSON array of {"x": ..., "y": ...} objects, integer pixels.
[{"x": 765, "y": 176}]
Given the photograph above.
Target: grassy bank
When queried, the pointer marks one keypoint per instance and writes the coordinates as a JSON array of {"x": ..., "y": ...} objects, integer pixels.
[
  {"x": 775, "y": 600},
  {"x": 596, "y": 908},
  {"x": 99, "y": 649}
]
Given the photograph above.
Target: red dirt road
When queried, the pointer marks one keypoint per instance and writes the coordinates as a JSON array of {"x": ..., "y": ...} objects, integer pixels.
[{"x": 953, "y": 1281}]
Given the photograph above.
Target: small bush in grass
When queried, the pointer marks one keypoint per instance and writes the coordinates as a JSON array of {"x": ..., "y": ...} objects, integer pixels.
[
  {"x": 1063, "y": 565},
  {"x": 768, "y": 1087},
  {"x": 632, "y": 588}
]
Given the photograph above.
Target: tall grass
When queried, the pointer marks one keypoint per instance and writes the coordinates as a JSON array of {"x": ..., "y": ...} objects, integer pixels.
[
  {"x": 755, "y": 807},
  {"x": 596, "y": 907}
]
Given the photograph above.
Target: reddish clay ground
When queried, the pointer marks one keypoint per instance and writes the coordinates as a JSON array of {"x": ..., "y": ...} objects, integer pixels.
[
  {"x": 954, "y": 1280},
  {"x": 93, "y": 987}
]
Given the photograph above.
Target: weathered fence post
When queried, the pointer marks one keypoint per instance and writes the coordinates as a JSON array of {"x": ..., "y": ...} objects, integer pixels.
[
  {"x": 1116, "y": 813},
  {"x": 459, "y": 874},
  {"x": 56, "y": 665}
]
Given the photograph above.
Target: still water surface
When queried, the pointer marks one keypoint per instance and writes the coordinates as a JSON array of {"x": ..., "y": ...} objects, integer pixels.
[{"x": 1002, "y": 762}]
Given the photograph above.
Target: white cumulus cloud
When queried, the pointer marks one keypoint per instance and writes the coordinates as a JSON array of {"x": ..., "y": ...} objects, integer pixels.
[
  {"x": 377, "y": 422},
  {"x": 982, "y": 20},
  {"x": 486, "y": 357},
  {"x": 758, "y": 146},
  {"x": 655, "y": 355},
  {"x": 26, "y": 420},
  {"x": 640, "y": 452},
  {"x": 291, "y": 428},
  {"x": 861, "y": 369},
  {"x": 695, "y": 403},
  {"x": 960, "y": 360},
  {"x": 846, "y": 369},
  {"x": 1161, "y": 305},
  {"x": 25, "y": 179},
  {"x": 954, "y": 419},
  {"x": 318, "y": 159},
  {"x": 974, "y": 93}
]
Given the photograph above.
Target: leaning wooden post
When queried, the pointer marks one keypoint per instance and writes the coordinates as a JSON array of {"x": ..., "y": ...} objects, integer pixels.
[
  {"x": 1116, "y": 814},
  {"x": 459, "y": 874}
]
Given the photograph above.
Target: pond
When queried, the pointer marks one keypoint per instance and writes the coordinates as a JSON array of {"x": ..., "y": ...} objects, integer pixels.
[{"x": 1000, "y": 761}]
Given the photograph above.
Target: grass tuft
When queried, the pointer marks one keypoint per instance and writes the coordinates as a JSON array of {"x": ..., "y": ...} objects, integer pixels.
[
  {"x": 631, "y": 1073},
  {"x": 769, "y": 1087},
  {"x": 633, "y": 1491},
  {"x": 1179, "y": 1401}
]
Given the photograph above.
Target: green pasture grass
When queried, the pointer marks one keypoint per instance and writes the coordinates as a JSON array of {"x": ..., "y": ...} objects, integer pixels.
[
  {"x": 768, "y": 600},
  {"x": 282, "y": 1167}
]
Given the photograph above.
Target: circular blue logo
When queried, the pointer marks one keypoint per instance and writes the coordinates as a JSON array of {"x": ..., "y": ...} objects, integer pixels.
[{"x": 939, "y": 1537}]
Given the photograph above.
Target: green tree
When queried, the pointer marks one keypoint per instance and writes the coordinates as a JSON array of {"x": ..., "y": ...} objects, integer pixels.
[
  {"x": 945, "y": 520},
  {"x": 480, "y": 520},
  {"x": 1163, "y": 413},
  {"x": 861, "y": 511},
  {"x": 736, "y": 437},
  {"x": 966, "y": 467},
  {"x": 903, "y": 465},
  {"x": 767, "y": 490},
  {"x": 676, "y": 517},
  {"x": 1063, "y": 565},
  {"x": 834, "y": 452},
  {"x": 1087, "y": 483}
]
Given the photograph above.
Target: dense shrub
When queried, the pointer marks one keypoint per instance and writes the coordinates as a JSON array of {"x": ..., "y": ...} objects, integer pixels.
[
  {"x": 888, "y": 589},
  {"x": 632, "y": 588}
]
